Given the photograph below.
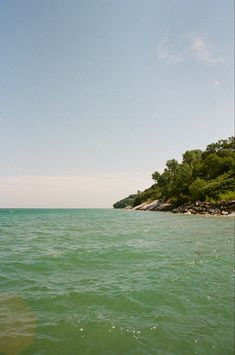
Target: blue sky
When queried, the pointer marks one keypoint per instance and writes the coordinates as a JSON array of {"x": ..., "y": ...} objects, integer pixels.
[{"x": 98, "y": 91}]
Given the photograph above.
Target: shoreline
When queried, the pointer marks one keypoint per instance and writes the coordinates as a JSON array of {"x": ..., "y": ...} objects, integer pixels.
[{"x": 221, "y": 208}]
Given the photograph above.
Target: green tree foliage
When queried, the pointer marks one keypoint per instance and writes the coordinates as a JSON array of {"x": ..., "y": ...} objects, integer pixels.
[
  {"x": 221, "y": 146},
  {"x": 192, "y": 157},
  {"x": 202, "y": 175},
  {"x": 156, "y": 175},
  {"x": 197, "y": 189},
  {"x": 128, "y": 201}
]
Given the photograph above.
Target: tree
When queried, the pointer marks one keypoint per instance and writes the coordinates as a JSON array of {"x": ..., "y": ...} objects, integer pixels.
[
  {"x": 197, "y": 190},
  {"x": 192, "y": 156},
  {"x": 172, "y": 165},
  {"x": 155, "y": 176}
]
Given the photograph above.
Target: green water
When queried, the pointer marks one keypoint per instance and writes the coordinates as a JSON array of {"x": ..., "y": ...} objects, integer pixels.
[{"x": 109, "y": 282}]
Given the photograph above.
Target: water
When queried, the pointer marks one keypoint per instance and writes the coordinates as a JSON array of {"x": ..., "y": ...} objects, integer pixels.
[{"x": 109, "y": 282}]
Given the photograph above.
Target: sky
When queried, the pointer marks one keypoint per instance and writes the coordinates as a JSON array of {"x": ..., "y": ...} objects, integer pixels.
[{"x": 96, "y": 95}]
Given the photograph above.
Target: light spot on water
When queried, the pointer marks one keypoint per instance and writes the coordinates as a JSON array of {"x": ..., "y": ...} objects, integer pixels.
[{"x": 18, "y": 323}]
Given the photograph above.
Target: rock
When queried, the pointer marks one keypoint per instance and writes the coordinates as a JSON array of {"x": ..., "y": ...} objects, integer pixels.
[
  {"x": 223, "y": 208},
  {"x": 220, "y": 208},
  {"x": 188, "y": 212},
  {"x": 139, "y": 207},
  {"x": 224, "y": 213}
]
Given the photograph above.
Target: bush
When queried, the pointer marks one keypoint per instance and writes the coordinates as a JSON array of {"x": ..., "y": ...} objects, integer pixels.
[{"x": 227, "y": 196}]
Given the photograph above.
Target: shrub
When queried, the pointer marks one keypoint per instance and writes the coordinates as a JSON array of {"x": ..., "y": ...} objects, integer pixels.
[{"x": 227, "y": 196}]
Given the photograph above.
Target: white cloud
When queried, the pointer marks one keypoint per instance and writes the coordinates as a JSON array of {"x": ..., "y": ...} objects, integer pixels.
[
  {"x": 202, "y": 52},
  {"x": 187, "y": 47},
  {"x": 69, "y": 191},
  {"x": 168, "y": 52}
]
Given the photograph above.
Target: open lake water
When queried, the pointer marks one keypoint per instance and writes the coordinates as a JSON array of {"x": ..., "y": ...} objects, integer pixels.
[{"x": 115, "y": 282}]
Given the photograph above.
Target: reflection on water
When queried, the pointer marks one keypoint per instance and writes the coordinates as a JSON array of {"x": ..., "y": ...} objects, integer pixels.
[{"x": 17, "y": 326}]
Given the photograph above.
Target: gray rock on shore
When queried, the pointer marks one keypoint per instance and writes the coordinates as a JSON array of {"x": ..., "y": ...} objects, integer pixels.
[
  {"x": 222, "y": 208},
  {"x": 157, "y": 205},
  {"x": 218, "y": 208}
]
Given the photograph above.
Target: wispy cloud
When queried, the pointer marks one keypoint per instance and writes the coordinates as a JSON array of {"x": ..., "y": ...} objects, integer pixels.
[
  {"x": 187, "y": 47},
  {"x": 214, "y": 84},
  {"x": 168, "y": 51},
  {"x": 201, "y": 51}
]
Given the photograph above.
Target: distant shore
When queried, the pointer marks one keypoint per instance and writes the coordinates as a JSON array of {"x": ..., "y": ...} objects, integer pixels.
[{"x": 221, "y": 208}]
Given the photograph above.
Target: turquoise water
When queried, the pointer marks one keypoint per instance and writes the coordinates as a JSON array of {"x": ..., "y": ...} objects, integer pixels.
[{"x": 115, "y": 282}]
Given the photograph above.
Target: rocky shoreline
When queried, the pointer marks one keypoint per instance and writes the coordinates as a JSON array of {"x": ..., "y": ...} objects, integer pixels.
[{"x": 221, "y": 208}]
